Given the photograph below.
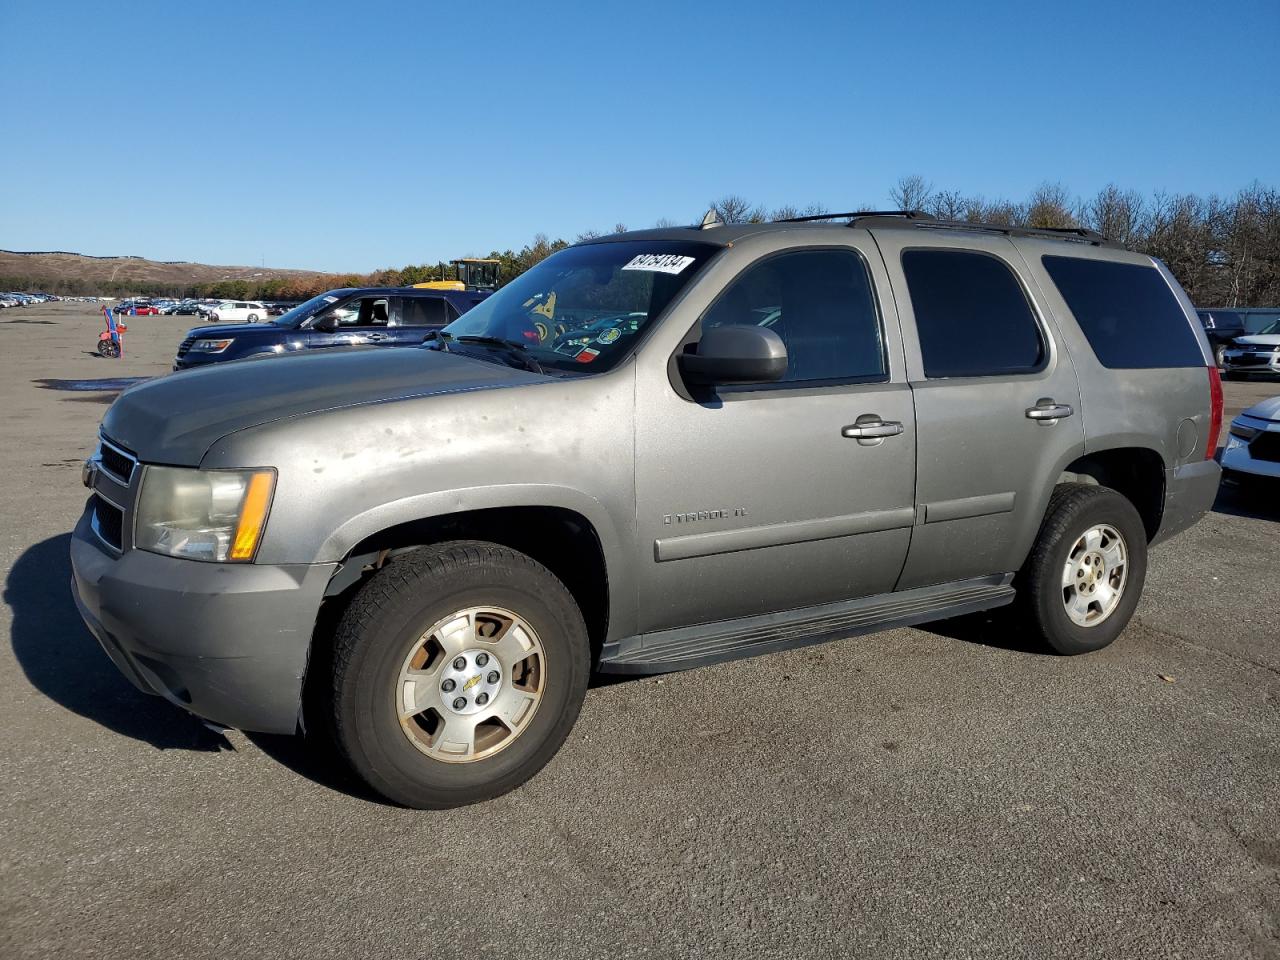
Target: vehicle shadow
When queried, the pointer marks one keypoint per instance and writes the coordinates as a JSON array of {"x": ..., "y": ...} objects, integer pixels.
[
  {"x": 64, "y": 662},
  {"x": 997, "y": 629},
  {"x": 1249, "y": 500}
]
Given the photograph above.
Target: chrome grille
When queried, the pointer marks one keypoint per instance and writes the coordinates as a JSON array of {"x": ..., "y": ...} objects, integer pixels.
[
  {"x": 107, "y": 521},
  {"x": 116, "y": 460}
]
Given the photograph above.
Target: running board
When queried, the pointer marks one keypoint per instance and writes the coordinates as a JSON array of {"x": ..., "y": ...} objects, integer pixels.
[{"x": 698, "y": 646}]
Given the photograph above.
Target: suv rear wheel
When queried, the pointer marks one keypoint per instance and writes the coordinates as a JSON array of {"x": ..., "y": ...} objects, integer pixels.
[
  {"x": 1083, "y": 579},
  {"x": 459, "y": 670}
]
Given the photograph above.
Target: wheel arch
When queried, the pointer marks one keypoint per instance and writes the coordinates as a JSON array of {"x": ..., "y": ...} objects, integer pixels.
[
  {"x": 1137, "y": 473},
  {"x": 566, "y": 541}
]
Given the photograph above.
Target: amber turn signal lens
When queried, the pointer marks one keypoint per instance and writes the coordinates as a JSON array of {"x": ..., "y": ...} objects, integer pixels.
[{"x": 253, "y": 515}]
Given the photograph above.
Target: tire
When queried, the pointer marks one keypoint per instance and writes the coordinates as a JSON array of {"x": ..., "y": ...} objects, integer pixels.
[
  {"x": 253, "y": 318},
  {"x": 397, "y": 617},
  {"x": 1075, "y": 511},
  {"x": 108, "y": 348},
  {"x": 1220, "y": 355}
]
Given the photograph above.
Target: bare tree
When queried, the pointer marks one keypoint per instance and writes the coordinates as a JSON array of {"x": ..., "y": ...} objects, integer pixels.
[
  {"x": 947, "y": 205},
  {"x": 911, "y": 193},
  {"x": 1115, "y": 213},
  {"x": 732, "y": 208},
  {"x": 1050, "y": 206}
]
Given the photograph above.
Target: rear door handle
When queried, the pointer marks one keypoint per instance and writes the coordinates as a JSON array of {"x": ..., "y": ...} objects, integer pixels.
[
  {"x": 871, "y": 429},
  {"x": 1046, "y": 410}
]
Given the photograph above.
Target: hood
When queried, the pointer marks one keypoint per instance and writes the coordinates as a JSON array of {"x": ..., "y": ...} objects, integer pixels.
[
  {"x": 1259, "y": 340},
  {"x": 1266, "y": 410},
  {"x": 176, "y": 418},
  {"x": 212, "y": 330}
]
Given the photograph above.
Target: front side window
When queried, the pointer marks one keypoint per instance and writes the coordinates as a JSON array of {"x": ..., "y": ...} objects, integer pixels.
[
  {"x": 972, "y": 316},
  {"x": 582, "y": 309},
  {"x": 821, "y": 303},
  {"x": 358, "y": 312}
]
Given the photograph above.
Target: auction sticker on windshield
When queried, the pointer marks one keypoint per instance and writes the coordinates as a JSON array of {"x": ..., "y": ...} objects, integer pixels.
[{"x": 659, "y": 262}]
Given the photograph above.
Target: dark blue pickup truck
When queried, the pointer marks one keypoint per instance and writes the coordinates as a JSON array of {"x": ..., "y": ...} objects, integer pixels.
[{"x": 393, "y": 316}]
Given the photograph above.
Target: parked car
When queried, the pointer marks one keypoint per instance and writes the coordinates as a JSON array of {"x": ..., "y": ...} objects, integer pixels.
[
  {"x": 1257, "y": 353},
  {"x": 1252, "y": 452},
  {"x": 815, "y": 431},
  {"x": 186, "y": 310},
  {"x": 387, "y": 316},
  {"x": 238, "y": 311},
  {"x": 1221, "y": 327}
]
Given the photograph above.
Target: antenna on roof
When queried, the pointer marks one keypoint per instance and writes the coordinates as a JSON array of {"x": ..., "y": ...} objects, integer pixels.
[{"x": 712, "y": 219}]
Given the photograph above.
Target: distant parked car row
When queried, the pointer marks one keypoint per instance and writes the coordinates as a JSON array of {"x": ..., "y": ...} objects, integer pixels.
[{"x": 14, "y": 299}]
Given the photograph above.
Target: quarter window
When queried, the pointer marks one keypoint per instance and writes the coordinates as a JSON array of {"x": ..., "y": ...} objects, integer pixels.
[
  {"x": 821, "y": 303},
  {"x": 1128, "y": 313},
  {"x": 972, "y": 316}
]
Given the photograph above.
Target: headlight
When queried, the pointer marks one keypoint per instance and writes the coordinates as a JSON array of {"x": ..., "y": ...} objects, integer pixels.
[
  {"x": 212, "y": 346},
  {"x": 215, "y": 515},
  {"x": 1243, "y": 432}
]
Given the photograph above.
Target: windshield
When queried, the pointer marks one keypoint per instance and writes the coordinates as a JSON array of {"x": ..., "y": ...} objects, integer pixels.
[
  {"x": 585, "y": 305},
  {"x": 304, "y": 311},
  {"x": 1272, "y": 327}
]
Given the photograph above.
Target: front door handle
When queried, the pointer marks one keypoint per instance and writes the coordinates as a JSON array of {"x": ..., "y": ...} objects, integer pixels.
[
  {"x": 376, "y": 337},
  {"x": 871, "y": 429},
  {"x": 1047, "y": 410}
]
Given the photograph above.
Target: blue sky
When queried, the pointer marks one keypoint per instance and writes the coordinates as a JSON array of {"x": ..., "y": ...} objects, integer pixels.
[{"x": 351, "y": 136}]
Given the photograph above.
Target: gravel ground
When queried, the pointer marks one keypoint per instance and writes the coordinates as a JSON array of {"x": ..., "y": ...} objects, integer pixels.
[{"x": 943, "y": 791}]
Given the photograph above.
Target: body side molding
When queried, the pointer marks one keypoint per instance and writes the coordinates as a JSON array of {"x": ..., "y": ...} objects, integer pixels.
[{"x": 778, "y": 534}]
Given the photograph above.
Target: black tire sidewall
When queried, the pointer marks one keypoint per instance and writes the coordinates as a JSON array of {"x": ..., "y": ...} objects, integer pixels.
[
  {"x": 1100, "y": 506},
  {"x": 370, "y": 733}
]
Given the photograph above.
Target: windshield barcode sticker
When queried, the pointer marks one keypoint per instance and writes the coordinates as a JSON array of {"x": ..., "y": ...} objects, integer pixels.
[{"x": 659, "y": 262}]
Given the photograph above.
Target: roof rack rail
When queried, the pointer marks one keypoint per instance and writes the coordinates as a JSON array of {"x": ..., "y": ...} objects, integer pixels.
[
  {"x": 905, "y": 214},
  {"x": 1069, "y": 234},
  {"x": 918, "y": 218}
]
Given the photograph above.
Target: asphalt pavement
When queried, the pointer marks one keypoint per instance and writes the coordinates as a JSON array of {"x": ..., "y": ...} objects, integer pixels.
[{"x": 946, "y": 791}]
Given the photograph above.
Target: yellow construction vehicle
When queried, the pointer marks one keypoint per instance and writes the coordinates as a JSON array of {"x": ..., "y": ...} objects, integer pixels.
[{"x": 473, "y": 274}]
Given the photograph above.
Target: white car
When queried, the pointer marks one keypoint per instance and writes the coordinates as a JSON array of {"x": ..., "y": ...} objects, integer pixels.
[
  {"x": 1256, "y": 353},
  {"x": 1253, "y": 444},
  {"x": 238, "y": 311}
]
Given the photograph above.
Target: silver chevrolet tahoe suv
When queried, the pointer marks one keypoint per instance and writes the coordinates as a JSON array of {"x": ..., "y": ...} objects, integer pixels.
[{"x": 652, "y": 451}]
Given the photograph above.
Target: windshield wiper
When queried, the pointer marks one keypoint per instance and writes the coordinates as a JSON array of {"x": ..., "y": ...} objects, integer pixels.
[{"x": 512, "y": 348}]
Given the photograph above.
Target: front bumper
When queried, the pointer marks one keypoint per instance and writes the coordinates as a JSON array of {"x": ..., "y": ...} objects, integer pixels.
[
  {"x": 1190, "y": 490},
  {"x": 228, "y": 642},
  {"x": 1236, "y": 360},
  {"x": 1258, "y": 456}
]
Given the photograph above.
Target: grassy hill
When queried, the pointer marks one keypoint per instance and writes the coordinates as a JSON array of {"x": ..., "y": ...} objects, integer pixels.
[{"x": 71, "y": 273}]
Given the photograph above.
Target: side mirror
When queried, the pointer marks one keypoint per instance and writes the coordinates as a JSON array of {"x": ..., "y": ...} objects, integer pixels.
[{"x": 735, "y": 354}]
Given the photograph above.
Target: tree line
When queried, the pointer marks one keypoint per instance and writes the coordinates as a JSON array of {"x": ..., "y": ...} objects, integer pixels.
[{"x": 1224, "y": 250}]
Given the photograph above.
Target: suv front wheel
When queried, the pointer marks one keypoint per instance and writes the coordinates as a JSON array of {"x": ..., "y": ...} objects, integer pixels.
[
  {"x": 459, "y": 670},
  {"x": 1084, "y": 577}
]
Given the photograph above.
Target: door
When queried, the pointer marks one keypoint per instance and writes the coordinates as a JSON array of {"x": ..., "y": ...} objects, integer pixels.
[
  {"x": 415, "y": 317},
  {"x": 996, "y": 396},
  {"x": 759, "y": 499}
]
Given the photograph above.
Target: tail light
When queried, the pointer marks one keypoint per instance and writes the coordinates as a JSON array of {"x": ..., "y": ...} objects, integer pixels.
[{"x": 1215, "y": 412}]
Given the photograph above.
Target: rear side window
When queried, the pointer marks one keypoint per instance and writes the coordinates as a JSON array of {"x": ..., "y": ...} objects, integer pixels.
[
  {"x": 424, "y": 312},
  {"x": 972, "y": 315},
  {"x": 1128, "y": 313}
]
